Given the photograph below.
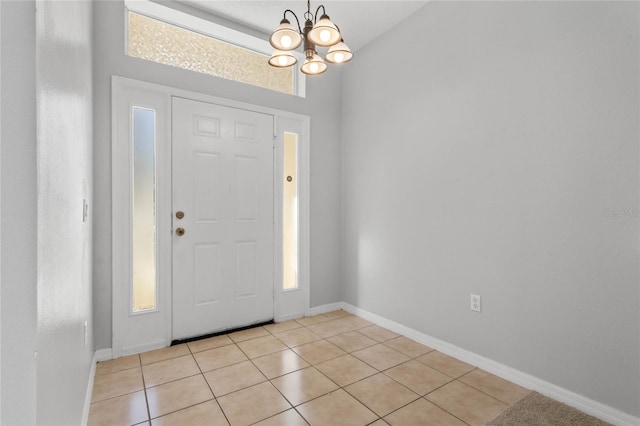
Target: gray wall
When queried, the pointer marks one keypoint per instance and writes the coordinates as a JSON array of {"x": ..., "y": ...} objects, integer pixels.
[
  {"x": 492, "y": 147},
  {"x": 322, "y": 104},
  {"x": 46, "y": 250},
  {"x": 65, "y": 175},
  {"x": 18, "y": 190}
]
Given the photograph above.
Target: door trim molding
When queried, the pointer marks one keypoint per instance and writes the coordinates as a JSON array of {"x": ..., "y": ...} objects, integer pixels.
[
  {"x": 138, "y": 332},
  {"x": 298, "y": 298},
  {"x": 121, "y": 216}
]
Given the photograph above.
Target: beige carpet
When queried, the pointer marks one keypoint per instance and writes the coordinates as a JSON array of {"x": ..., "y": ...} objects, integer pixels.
[{"x": 538, "y": 410}]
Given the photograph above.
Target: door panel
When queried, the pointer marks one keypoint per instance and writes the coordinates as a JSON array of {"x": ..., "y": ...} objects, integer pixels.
[
  {"x": 247, "y": 189},
  {"x": 206, "y": 187},
  {"x": 222, "y": 167},
  {"x": 206, "y": 281},
  {"x": 246, "y": 269}
]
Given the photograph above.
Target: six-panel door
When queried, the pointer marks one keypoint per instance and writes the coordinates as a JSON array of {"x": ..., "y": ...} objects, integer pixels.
[{"x": 222, "y": 172}]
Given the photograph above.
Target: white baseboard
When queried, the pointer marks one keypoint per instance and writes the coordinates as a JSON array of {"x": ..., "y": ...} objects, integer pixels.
[
  {"x": 582, "y": 403},
  {"x": 132, "y": 350},
  {"x": 89, "y": 392},
  {"x": 103, "y": 355},
  {"x": 322, "y": 309},
  {"x": 283, "y": 318}
]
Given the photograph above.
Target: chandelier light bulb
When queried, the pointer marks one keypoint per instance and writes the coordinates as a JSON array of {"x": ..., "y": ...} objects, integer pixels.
[
  {"x": 313, "y": 65},
  {"x": 324, "y": 33},
  {"x": 285, "y": 37},
  {"x": 282, "y": 59},
  {"x": 339, "y": 53},
  {"x": 286, "y": 41}
]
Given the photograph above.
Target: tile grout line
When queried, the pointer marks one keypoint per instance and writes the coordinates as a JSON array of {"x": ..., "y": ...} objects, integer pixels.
[
  {"x": 235, "y": 363},
  {"x": 282, "y": 375},
  {"x": 314, "y": 366},
  {"x": 444, "y": 409},
  {"x": 117, "y": 371},
  {"x": 391, "y": 378},
  {"x": 186, "y": 377},
  {"x": 144, "y": 387},
  {"x": 382, "y": 372},
  {"x": 453, "y": 379},
  {"x": 295, "y": 407},
  {"x": 180, "y": 378},
  {"x": 326, "y": 339},
  {"x": 436, "y": 404},
  {"x": 191, "y": 353},
  {"x": 209, "y": 386},
  {"x": 123, "y": 394},
  {"x": 266, "y": 378},
  {"x": 267, "y": 381},
  {"x": 508, "y": 404},
  {"x": 291, "y": 348}
]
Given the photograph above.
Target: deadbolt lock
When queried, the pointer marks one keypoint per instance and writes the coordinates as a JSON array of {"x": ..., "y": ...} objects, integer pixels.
[
  {"x": 179, "y": 232},
  {"x": 179, "y": 214}
]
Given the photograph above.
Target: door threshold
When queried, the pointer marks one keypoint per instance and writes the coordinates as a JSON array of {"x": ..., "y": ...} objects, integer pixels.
[{"x": 219, "y": 333}]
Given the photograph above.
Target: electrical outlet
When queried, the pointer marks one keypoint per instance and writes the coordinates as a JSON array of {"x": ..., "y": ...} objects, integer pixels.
[{"x": 475, "y": 303}]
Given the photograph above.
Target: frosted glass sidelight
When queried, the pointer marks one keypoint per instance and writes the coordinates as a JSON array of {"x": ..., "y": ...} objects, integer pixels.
[
  {"x": 290, "y": 212},
  {"x": 144, "y": 209},
  {"x": 168, "y": 44}
]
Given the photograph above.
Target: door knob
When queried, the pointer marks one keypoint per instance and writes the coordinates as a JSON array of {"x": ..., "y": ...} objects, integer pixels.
[
  {"x": 179, "y": 214},
  {"x": 179, "y": 232}
]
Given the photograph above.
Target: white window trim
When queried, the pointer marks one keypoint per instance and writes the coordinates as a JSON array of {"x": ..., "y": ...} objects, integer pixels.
[
  {"x": 216, "y": 31},
  {"x": 154, "y": 325},
  {"x": 294, "y": 302}
]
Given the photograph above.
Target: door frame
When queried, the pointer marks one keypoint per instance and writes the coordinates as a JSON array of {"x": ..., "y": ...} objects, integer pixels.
[{"x": 130, "y": 330}]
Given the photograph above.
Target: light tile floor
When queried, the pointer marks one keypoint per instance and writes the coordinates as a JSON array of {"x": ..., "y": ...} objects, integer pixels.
[{"x": 330, "y": 369}]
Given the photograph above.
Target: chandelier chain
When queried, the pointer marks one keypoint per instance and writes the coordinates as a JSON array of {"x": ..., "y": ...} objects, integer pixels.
[{"x": 307, "y": 15}]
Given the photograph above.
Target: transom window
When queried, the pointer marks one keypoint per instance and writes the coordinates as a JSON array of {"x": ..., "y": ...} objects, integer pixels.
[{"x": 163, "y": 35}]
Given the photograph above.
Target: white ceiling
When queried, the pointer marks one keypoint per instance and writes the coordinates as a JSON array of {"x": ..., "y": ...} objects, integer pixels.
[{"x": 360, "y": 21}]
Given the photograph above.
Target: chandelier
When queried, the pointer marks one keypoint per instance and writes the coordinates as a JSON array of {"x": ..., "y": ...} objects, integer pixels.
[{"x": 322, "y": 32}]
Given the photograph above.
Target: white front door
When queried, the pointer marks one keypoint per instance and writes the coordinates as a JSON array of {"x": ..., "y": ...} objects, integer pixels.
[{"x": 222, "y": 182}]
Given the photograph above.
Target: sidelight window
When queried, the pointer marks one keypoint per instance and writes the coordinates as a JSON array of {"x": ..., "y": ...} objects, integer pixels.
[
  {"x": 290, "y": 211},
  {"x": 144, "y": 209}
]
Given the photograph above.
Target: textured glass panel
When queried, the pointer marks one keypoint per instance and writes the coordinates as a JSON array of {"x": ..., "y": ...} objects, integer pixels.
[
  {"x": 144, "y": 209},
  {"x": 158, "y": 41},
  {"x": 290, "y": 212}
]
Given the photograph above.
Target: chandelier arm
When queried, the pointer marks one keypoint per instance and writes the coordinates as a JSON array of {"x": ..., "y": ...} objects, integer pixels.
[
  {"x": 324, "y": 12},
  {"x": 295, "y": 16},
  {"x": 340, "y": 31}
]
